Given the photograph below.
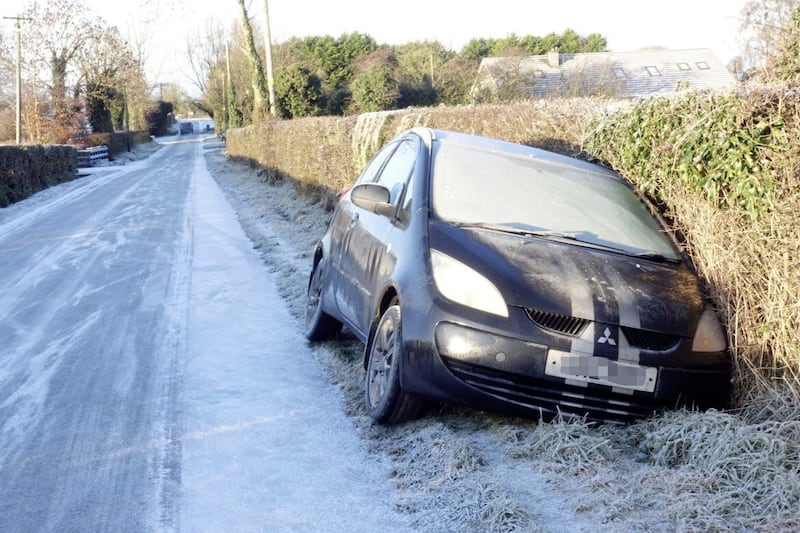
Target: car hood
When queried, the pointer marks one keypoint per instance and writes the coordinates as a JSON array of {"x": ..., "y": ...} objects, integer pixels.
[{"x": 573, "y": 280}]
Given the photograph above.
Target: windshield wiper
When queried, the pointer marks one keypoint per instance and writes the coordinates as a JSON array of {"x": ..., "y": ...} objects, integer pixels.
[
  {"x": 516, "y": 230},
  {"x": 564, "y": 236},
  {"x": 655, "y": 256}
]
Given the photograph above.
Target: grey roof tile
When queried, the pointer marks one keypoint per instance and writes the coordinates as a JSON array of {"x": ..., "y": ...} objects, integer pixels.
[{"x": 627, "y": 74}]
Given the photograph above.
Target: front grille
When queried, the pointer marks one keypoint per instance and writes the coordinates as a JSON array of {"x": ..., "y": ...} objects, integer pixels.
[
  {"x": 565, "y": 324},
  {"x": 596, "y": 403},
  {"x": 650, "y": 340},
  {"x": 574, "y": 326}
]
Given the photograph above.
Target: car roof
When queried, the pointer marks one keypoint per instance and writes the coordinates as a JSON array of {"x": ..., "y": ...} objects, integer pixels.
[{"x": 431, "y": 135}]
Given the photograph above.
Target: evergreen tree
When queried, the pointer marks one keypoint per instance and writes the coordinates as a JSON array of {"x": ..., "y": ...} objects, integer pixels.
[{"x": 299, "y": 92}]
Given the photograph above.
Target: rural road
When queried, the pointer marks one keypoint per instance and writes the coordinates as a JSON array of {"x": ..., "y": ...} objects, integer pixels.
[{"x": 151, "y": 378}]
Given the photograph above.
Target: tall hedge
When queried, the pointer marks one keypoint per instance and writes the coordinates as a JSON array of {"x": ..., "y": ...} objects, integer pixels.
[
  {"x": 726, "y": 168},
  {"x": 27, "y": 169},
  {"x": 325, "y": 154}
]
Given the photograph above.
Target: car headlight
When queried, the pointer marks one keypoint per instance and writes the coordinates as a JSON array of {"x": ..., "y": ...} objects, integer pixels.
[
  {"x": 461, "y": 284},
  {"x": 709, "y": 336}
]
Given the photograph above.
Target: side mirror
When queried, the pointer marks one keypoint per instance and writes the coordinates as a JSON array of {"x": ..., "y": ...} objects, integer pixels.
[{"x": 374, "y": 198}]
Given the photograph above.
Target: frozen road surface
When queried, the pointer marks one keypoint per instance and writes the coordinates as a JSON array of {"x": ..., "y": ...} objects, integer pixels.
[{"x": 151, "y": 378}]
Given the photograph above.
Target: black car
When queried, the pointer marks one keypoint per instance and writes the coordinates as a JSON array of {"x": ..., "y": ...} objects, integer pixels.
[{"x": 512, "y": 279}]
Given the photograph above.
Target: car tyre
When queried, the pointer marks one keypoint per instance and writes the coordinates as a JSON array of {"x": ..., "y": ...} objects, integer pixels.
[
  {"x": 319, "y": 325},
  {"x": 386, "y": 401}
]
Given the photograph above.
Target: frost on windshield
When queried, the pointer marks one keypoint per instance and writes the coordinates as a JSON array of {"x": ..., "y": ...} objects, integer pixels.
[{"x": 473, "y": 186}]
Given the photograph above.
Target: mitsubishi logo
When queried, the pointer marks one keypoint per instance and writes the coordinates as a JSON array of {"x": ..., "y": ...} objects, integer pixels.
[{"x": 606, "y": 338}]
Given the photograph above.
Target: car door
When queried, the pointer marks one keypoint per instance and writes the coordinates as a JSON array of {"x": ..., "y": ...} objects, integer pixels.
[
  {"x": 345, "y": 218},
  {"x": 366, "y": 259}
]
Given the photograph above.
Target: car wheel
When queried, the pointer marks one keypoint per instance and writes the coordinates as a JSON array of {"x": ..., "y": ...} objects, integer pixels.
[
  {"x": 386, "y": 401},
  {"x": 318, "y": 324}
]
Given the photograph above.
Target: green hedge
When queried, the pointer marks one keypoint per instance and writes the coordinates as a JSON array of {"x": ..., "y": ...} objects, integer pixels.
[
  {"x": 27, "y": 169},
  {"x": 726, "y": 169},
  {"x": 323, "y": 155},
  {"x": 733, "y": 149}
]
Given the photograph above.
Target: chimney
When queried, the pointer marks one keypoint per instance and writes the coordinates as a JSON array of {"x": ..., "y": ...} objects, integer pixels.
[{"x": 553, "y": 58}]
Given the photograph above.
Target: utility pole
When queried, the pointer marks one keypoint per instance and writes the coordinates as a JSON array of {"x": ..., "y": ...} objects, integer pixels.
[
  {"x": 19, "y": 74},
  {"x": 228, "y": 87},
  {"x": 225, "y": 99},
  {"x": 268, "y": 53}
]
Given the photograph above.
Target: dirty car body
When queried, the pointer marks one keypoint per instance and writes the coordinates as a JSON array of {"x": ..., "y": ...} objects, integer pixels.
[{"x": 512, "y": 279}]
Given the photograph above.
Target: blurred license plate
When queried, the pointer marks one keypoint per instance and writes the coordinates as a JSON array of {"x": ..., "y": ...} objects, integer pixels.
[{"x": 600, "y": 370}]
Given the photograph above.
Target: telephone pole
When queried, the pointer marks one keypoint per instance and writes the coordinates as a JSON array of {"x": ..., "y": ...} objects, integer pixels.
[
  {"x": 19, "y": 74},
  {"x": 268, "y": 53},
  {"x": 228, "y": 89}
]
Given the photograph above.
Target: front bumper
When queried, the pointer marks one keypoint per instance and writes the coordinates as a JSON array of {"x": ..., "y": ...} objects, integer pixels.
[{"x": 502, "y": 373}]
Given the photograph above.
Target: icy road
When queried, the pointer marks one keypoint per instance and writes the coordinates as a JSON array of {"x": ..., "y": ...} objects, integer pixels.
[{"x": 151, "y": 378}]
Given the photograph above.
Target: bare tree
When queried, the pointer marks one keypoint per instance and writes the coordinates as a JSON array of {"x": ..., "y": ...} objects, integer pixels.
[
  {"x": 138, "y": 89},
  {"x": 504, "y": 81},
  {"x": 228, "y": 93},
  {"x": 55, "y": 42},
  {"x": 73, "y": 58},
  {"x": 6, "y": 70},
  {"x": 762, "y": 30},
  {"x": 7, "y": 77},
  {"x": 592, "y": 80},
  {"x": 785, "y": 65},
  {"x": 206, "y": 52},
  {"x": 6, "y": 57}
]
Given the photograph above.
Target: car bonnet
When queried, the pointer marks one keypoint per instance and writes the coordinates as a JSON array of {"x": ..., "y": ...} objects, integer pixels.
[{"x": 573, "y": 280}]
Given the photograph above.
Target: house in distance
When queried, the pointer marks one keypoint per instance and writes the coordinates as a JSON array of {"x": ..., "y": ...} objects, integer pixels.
[{"x": 613, "y": 74}]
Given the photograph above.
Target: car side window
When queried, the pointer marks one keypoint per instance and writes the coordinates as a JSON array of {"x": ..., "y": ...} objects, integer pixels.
[
  {"x": 370, "y": 173},
  {"x": 408, "y": 197},
  {"x": 397, "y": 171}
]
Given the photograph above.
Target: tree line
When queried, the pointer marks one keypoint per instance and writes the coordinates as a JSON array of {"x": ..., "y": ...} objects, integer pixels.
[
  {"x": 79, "y": 75},
  {"x": 352, "y": 73},
  {"x": 325, "y": 75},
  {"x": 82, "y": 74}
]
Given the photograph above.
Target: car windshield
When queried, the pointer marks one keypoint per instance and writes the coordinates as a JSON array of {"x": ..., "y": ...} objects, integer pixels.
[{"x": 507, "y": 191}]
